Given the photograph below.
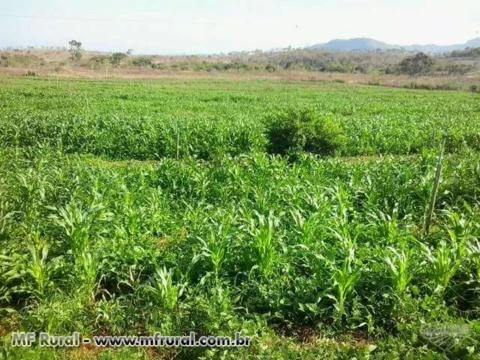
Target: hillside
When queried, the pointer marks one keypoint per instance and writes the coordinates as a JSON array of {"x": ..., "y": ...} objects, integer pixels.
[{"x": 367, "y": 44}]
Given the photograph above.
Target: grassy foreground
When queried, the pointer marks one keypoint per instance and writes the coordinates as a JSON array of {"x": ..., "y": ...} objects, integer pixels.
[{"x": 134, "y": 207}]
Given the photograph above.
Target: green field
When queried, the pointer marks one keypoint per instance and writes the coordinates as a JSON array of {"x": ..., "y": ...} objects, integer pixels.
[{"x": 135, "y": 207}]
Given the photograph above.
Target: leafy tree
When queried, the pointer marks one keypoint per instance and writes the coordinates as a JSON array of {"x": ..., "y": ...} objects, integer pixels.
[
  {"x": 419, "y": 64},
  {"x": 75, "y": 49}
]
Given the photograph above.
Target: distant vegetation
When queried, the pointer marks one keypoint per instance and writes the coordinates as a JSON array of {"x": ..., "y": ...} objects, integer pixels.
[
  {"x": 387, "y": 61},
  {"x": 391, "y": 67},
  {"x": 467, "y": 53},
  {"x": 294, "y": 60}
]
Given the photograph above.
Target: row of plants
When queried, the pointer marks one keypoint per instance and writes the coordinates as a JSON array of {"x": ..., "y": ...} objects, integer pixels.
[
  {"x": 143, "y": 121},
  {"x": 282, "y": 131}
]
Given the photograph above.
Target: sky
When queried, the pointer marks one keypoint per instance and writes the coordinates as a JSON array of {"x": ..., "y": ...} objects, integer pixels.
[{"x": 222, "y": 26}]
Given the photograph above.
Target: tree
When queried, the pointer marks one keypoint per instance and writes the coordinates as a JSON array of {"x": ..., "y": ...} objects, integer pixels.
[
  {"x": 75, "y": 49},
  {"x": 419, "y": 64},
  {"x": 117, "y": 58}
]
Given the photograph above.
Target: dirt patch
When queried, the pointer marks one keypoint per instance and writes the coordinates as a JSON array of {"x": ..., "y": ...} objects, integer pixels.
[{"x": 306, "y": 334}]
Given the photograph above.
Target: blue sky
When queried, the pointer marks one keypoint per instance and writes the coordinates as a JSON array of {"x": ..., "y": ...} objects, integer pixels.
[{"x": 212, "y": 26}]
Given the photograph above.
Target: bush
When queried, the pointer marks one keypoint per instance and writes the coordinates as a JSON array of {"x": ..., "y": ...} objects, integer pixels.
[
  {"x": 458, "y": 69},
  {"x": 293, "y": 131},
  {"x": 99, "y": 61}
]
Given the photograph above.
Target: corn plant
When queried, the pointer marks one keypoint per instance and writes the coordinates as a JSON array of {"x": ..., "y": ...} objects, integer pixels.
[
  {"x": 448, "y": 257},
  {"x": 6, "y": 217},
  {"x": 80, "y": 222},
  {"x": 214, "y": 249},
  {"x": 162, "y": 289},
  {"x": 264, "y": 243},
  {"x": 344, "y": 281},
  {"x": 38, "y": 267},
  {"x": 110, "y": 315},
  {"x": 345, "y": 276},
  {"x": 444, "y": 264},
  {"x": 14, "y": 277},
  {"x": 399, "y": 268},
  {"x": 345, "y": 271},
  {"x": 86, "y": 268},
  {"x": 342, "y": 205},
  {"x": 433, "y": 197},
  {"x": 474, "y": 255}
]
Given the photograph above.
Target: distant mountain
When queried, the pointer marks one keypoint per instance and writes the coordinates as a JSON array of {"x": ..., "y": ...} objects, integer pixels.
[
  {"x": 364, "y": 44},
  {"x": 474, "y": 43},
  {"x": 367, "y": 44}
]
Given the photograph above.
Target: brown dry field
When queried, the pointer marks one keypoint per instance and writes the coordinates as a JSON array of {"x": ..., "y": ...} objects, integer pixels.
[
  {"x": 433, "y": 82},
  {"x": 53, "y": 58}
]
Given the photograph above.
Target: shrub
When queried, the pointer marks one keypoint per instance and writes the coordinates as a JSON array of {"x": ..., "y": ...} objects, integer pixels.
[
  {"x": 458, "y": 69},
  {"x": 293, "y": 131},
  {"x": 270, "y": 68},
  {"x": 117, "y": 58},
  {"x": 99, "y": 61},
  {"x": 143, "y": 61}
]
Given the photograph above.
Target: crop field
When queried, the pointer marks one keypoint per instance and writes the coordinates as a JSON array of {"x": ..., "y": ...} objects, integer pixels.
[{"x": 325, "y": 220}]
